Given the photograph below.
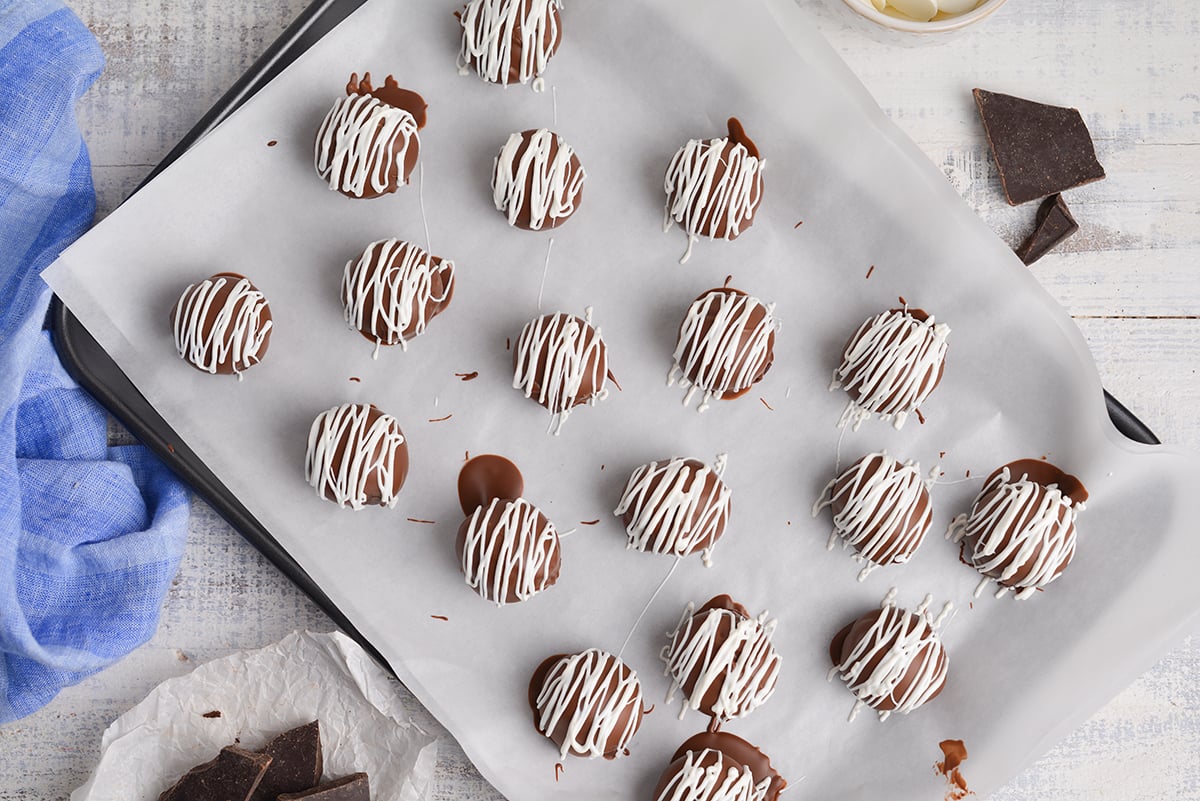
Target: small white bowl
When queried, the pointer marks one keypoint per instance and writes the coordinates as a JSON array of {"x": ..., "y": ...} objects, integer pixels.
[{"x": 951, "y": 23}]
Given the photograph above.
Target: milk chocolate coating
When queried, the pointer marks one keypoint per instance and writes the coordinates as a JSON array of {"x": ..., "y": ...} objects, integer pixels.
[
  {"x": 524, "y": 218},
  {"x": 909, "y": 525},
  {"x": 629, "y": 713},
  {"x": 852, "y": 381},
  {"x": 710, "y": 493},
  {"x": 373, "y": 490},
  {"x": 226, "y": 365},
  {"x": 844, "y": 642},
  {"x": 691, "y": 367},
  {"x": 551, "y": 22},
  {"x": 485, "y": 477},
  {"x": 375, "y": 328},
  {"x": 719, "y": 227},
  {"x": 728, "y": 752},
  {"x": 493, "y": 552},
  {"x": 595, "y": 368}
]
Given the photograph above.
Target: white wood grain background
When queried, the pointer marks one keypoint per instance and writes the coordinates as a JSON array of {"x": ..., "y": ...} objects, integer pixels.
[{"x": 1131, "y": 278}]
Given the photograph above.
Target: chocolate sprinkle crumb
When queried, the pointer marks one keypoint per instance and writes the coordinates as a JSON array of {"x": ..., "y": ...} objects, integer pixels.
[{"x": 216, "y": 713}]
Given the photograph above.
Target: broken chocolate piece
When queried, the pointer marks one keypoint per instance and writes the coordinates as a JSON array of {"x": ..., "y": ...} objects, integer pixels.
[
  {"x": 1039, "y": 149},
  {"x": 1054, "y": 223},
  {"x": 354, "y": 787},
  {"x": 295, "y": 762},
  {"x": 233, "y": 775}
]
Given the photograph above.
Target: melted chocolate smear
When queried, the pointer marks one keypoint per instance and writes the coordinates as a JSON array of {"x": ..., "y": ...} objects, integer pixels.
[
  {"x": 613, "y": 379},
  {"x": 737, "y": 134},
  {"x": 485, "y": 477},
  {"x": 954, "y": 754},
  {"x": 390, "y": 93}
]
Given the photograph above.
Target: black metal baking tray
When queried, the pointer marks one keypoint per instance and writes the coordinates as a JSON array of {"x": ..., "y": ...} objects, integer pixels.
[{"x": 88, "y": 364}]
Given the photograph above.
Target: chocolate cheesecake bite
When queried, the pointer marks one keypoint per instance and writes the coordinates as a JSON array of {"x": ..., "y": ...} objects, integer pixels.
[
  {"x": 1020, "y": 531},
  {"x": 675, "y": 506},
  {"x": 719, "y": 766},
  {"x": 393, "y": 290},
  {"x": 537, "y": 180},
  {"x": 509, "y": 41},
  {"x": 367, "y": 145},
  {"x": 891, "y": 659},
  {"x": 357, "y": 456},
  {"x": 714, "y": 186},
  {"x": 891, "y": 365},
  {"x": 589, "y": 703},
  {"x": 222, "y": 325},
  {"x": 726, "y": 345},
  {"x": 509, "y": 551},
  {"x": 561, "y": 362},
  {"x": 722, "y": 660},
  {"x": 880, "y": 508}
]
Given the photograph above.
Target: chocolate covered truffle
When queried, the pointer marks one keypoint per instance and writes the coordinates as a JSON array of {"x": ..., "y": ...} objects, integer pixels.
[
  {"x": 537, "y": 180},
  {"x": 367, "y": 145},
  {"x": 509, "y": 551},
  {"x": 589, "y": 703},
  {"x": 561, "y": 362},
  {"x": 222, "y": 325},
  {"x": 722, "y": 659},
  {"x": 890, "y": 365},
  {"x": 881, "y": 509},
  {"x": 726, "y": 345},
  {"x": 509, "y": 41},
  {"x": 714, "y": 187},
  {"x": 719, "y": 766},
  {"x": 1020, "y": 531},
  {"x": 392, "y": 291},
  {"x": 677, "y": 506},
  {"x": 357, "y": 456},
  {"x": 890, "y": 658}
]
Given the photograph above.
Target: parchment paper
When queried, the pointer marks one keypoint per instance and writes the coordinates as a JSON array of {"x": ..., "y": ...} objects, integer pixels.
[
  {"x": 256, "y": 695},
  {"x": 631, "y": 83}
]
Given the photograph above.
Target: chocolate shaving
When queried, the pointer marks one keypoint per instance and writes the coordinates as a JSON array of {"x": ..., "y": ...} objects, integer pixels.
[
  {"x": 272, "y": 143},
  {"x": 440, "y": 419},
  {"x": 589, "y": 522},
  {"x": 440, "y": 617},
  {"x": 1053, "y": 224},
  {"x": 418, "y": 520},
  {"x": 356, "y": 379},
  {"x": 870, "y": 270},
  {"x": 764, "y": 403},
  {"x": 797, "y": 225},
  {"x": 471, "y": 376},
  {"x": 1038, "y": 149},
  {"x": 216, "y": 713}
]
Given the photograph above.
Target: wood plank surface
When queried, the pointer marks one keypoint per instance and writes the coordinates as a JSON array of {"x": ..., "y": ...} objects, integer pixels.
[{"x": 1131, "y": 277}]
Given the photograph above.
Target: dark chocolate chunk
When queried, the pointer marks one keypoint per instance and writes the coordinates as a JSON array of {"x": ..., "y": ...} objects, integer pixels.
[
  {"x": 295, "y": 762},
  {"x": 1054, "y": 223},
  {"x": 232, "y": 776},
  {"x": 1038, "y": 149},
  {"x": 354, "y": 787}
]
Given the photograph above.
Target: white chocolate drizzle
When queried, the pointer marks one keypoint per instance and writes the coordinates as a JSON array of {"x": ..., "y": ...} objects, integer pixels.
[
  {"x": 700, "y": 201},
  {"x": 492, "y": 27},
  {"x": 1018, "y": 526},
  {"x": 568, "y": 344},
  {"x": 697, "y": 781},
  {"x": 890, "y": 366},
  {"x": 722, "y": 346},
  {"x": 880, "y": 497},
  {"x": 509, "y": 533},
  {"x": 548, "y": 187},
  {"x": 403, "y": 273},
  {"x": 370, "y": 454},
  {"x": 897, "y": 641},
  {"x": 591, "y": 687},
  {"x": 668, "y": 519},
  {"x": 360, "y": 141},
  {"x": 238, "y": 333},
  {"x": 731, "y": 652}
]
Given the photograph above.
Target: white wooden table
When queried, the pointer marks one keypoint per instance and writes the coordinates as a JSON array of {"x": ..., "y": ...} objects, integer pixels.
[{"x": 1130, "y": 277}]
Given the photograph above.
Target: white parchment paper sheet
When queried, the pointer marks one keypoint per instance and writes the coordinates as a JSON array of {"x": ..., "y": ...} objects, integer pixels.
[
  {"x": 305, "y": 676},
  {"x": 631, "y": 83}
]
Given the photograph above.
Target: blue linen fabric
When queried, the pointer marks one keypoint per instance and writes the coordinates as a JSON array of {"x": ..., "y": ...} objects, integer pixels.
[{"x": 90, "y": 536}]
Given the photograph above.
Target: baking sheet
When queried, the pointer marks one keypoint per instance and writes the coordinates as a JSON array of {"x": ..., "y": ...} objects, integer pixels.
[{"x": 627, "y": 89}]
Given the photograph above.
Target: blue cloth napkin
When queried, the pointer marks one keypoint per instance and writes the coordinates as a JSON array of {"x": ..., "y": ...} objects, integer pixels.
[{"x": 90, "y": 536}]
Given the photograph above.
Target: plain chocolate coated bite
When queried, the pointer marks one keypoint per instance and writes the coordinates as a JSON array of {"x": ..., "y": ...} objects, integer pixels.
[
  {"x": 355, "y": 787},
  {"x": 714, "y": 186},
  {"x": 509, "y": 41},
  {"x": 357, "y": 456},
  {"x": 891, "y": 659},
  {"x": 719, "y": 766},
  {"x": 367, "y": 145},
  {"x": 233, "y": 775},
  {"x": 1020, "y": 531},
  {"x": 537, "y": 180},
  {"x": 296, "y": 762},
  {"x": 589, "y": 703},
  {"x": 507, "y": 548},
  {"x": 675, "y": 506},
  {"x": 222, "y": 325},
  {"x": 1039, "y": 149},
  {"x": 1053, "y": 224},
  {"x": 722, "y": 659}
]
